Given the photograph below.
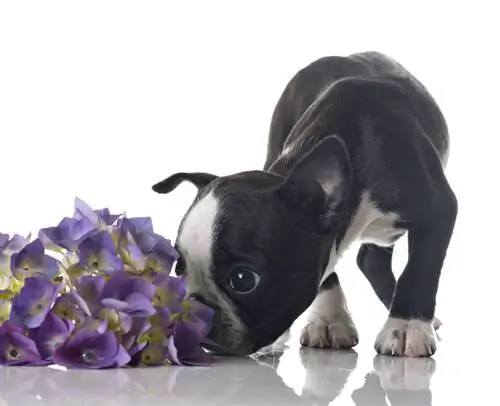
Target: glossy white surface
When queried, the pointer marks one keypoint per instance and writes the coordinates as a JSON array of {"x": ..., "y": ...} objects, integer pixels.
[{"x": 284, "y": 374}]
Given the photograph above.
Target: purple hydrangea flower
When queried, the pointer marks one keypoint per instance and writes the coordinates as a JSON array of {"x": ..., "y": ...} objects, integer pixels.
[
  {"x": 89, "y": 289},
  {"x": 159, "y": 251},
  {"x": 99, "y": 218},
  {"x": 184, "y": 345},
  {"x": 129, "y": 294},
  {"x": 68, "y": 308},
  {"x": 131, "y": 254},
  {"x": 32, "y": 260},
  {"x": 4, "y": 239},
  {"x": 189, "y": 331},
  {"x": 12, "y": 245},
  {"x": 68, "y": 234},
  {"x": 122, "y": 308},
  {"x": 154, "y": 354},
  {"x": 9, "y": 246},
  {"x": 16, "y": 348},
  {"x": 101, "y": 326},
  {"x": 99, "y": 253},
  {"x": 34, "y": 301},
  {"x": 169, "y": 294},
  {"x": 118, "y": 300},
  {"x": 137, "y": 225},
  {"x": 90, "y": 349},
  {"x": 198, "y": 312},
  {"x": 53, "y": 331},
  {"x": 131, "y": 341},
  {"x": 106, "y": 216}
]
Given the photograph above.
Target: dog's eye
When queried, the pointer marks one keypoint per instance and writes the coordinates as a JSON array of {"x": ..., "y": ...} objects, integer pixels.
[{"x": 243, "y": 280}]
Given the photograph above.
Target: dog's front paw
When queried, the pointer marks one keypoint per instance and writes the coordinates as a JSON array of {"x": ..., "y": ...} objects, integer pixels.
[
  {"x": 340, "y": 333},
  {"x": 409, "y": 338}
]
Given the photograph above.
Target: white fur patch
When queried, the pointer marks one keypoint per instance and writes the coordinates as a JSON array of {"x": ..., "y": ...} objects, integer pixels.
[
  {"x": 329, "y": 323},
  {"x": 196, "y": 239},
  {"x": 410, "y": 338},
  {"x": 195, "y": 242},
  {"x": 369, "y": 224}
]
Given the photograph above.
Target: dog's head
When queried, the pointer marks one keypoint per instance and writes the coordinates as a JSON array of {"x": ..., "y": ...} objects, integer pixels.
[{"x": 254, "y": 245}]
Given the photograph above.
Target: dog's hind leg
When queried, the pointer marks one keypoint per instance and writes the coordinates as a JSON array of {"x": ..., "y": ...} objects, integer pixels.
[{"x": 375, "y": 262}]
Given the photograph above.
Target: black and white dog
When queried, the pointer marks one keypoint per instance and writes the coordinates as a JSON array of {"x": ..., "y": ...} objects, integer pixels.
[{"x": 357, "y": 150}]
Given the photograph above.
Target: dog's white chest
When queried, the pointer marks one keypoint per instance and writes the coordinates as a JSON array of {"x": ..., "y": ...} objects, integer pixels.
[
  {"x": 369, "y": 225},
  {"x": 382, "y": 230}
]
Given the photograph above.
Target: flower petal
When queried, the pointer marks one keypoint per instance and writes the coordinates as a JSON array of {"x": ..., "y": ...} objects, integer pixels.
[
  {"x": 51, "y": 333},
  {"x": 109, "y": 262},
  {"x": 32, "y": 304},
  {"x": 139, "y": 285},
  {"x": 122, "y": 357},
  {"x": 4, "y": 239},
  {"x": 106, "y": 217},
  {"x": 118, "y": 305},
  {"x": 139, "y": 305},
  {"x": 90, "y": 289},
  {"x": 154, "y": 354},
  {"x": 13, "y": 245},
  {"x": 67, "y": 307},
  {"x": 16, "y": 348},
  {"x": 83, "y": 210},
  {"x": 99, "y": 252},
  {"x": 130, "y": 340},
  {"x": 137, "y": 225},
  {"x": 31, "y": 261},
  {"x": 68, "y": 234},
  {"x": 116, "y": 286},
  {"x": 90, "y": 349}
]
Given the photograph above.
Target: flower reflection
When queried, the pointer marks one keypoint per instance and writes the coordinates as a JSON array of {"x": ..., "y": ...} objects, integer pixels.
[{"x": 232, "y": 381}]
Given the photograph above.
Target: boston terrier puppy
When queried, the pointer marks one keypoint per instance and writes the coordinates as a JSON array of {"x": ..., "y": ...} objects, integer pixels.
[{"x": 356, "y": 152}]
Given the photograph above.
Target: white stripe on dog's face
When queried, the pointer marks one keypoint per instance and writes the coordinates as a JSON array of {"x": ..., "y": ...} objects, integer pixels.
[
  {"x": 196, "y": 243},
  {"x": 196, "y": 239}
]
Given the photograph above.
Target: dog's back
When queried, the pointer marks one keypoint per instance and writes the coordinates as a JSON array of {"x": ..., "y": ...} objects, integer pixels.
[
  {"x": 333, "y": 89},
  {"x": 394, "y": 131}
]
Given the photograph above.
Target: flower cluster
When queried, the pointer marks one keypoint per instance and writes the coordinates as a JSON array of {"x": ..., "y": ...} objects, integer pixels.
[{"x": 96, "y": 292}]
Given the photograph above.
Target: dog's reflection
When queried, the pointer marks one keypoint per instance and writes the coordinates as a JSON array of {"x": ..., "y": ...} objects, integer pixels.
[
  {"x": 394, "y": 381},
  {"x": 397, "y": 381},
  {"x": 326, "y": 373},
  {"x": 253, "y": 381}
]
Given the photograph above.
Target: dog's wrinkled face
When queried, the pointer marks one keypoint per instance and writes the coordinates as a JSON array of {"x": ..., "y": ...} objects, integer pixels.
[{"x": 254, "y": 245}]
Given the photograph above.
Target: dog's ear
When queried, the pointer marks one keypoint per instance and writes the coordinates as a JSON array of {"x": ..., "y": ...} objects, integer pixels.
[
  {"x": 326, "y": 165},
  {"x": 198, "y": 179}
]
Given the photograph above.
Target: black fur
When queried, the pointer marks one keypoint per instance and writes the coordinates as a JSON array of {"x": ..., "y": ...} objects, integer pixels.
[{"x": 364, "y": 125}]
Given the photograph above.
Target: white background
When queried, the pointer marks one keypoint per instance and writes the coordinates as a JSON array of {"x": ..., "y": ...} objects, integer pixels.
[{"x": 101, "y": 99}]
